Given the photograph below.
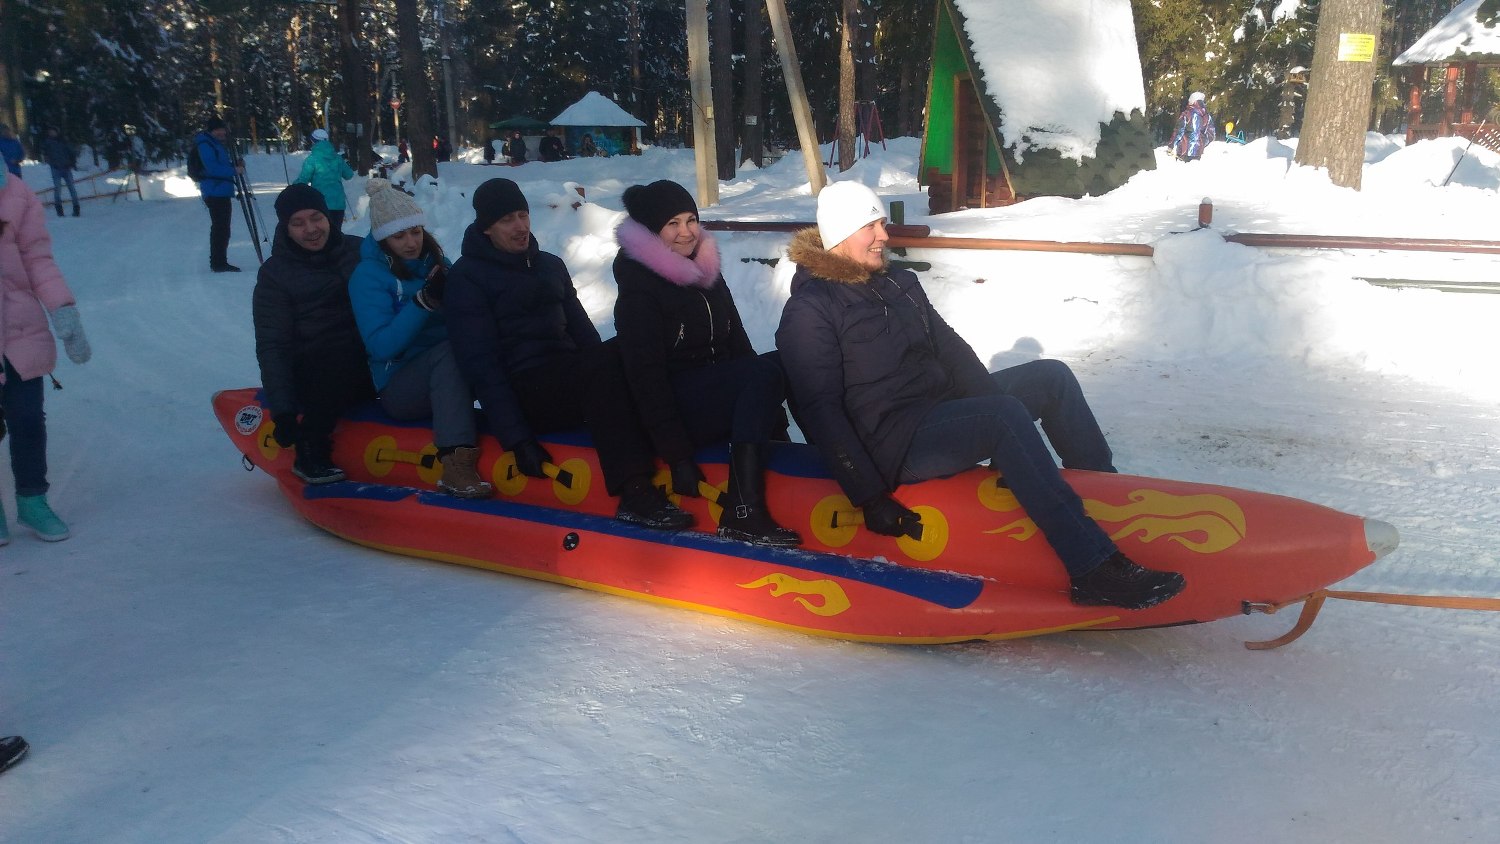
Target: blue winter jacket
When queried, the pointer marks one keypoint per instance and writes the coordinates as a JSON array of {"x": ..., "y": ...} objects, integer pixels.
[
  {"x": 326, "y": 170},
  {"x": 395, "y": 329},
  {"x": 12, "y": 151},
  {"x": 218, "y": 167}
]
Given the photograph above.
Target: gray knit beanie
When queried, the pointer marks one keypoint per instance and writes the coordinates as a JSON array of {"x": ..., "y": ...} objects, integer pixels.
[{"x": 391, "y": 210}]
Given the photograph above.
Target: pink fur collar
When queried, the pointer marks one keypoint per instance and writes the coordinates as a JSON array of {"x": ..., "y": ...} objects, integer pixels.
[{"x": 644, "y": 245}]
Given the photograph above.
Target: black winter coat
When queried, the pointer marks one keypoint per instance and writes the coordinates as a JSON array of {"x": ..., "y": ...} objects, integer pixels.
[
  {"x": 665, "y": 327},
  {"x": 302, "y": 314},
  {"x": 867, "y": 358},
  {"x": 508, "y": 313}
]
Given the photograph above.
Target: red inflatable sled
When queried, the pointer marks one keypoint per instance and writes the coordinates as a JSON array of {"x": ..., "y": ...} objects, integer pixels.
[{"x": 981, "y": 569}]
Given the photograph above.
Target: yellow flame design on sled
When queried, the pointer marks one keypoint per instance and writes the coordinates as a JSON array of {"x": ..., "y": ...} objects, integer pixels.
[
  {"x": 834, "y": 599},
  {"x": 1150, "y": 514}
]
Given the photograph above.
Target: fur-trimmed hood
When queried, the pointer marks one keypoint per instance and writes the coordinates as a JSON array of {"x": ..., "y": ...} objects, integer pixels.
[
  {"x": 644, "y": 246},
  {"x": 807, "y": 252}
]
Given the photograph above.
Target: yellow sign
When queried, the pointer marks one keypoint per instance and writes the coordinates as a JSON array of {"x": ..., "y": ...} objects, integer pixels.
[{"x": 1355, "y": 47}]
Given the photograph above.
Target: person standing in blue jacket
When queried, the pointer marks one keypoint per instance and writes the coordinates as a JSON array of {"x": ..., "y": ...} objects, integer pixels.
[
  {"x": 62, "y": 159},
  {"x": 326, "y": 170},
  {"x": 397, "y": 294},
  {"x": 11, "y": 150},
  {"x": 217, "y": 189}
]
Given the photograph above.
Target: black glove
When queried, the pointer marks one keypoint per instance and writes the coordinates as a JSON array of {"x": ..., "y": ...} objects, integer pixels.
[
  {"x": 430, "y": 297},
  {"x": 887, "y": 517},
  {"x": 685, "y": 478},
  {"x": 287, "y": 429},
  {"x": 529, "y": 458},
  {"x": 437, "y": 283}
]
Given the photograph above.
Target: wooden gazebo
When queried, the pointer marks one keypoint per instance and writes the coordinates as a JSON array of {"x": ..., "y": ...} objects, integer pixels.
[{"x": 1455, "y": 54}]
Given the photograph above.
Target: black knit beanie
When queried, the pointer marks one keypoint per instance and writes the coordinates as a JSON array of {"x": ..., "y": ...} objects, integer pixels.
[
  {"x": 213, "y": 123},
  {"x": 299, "y": 197},
  {"x": 496, "y": 198},
  {"x": 655, "y": 204}
]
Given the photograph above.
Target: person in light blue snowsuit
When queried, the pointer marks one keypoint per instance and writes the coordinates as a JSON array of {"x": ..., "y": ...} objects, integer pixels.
[{"x": 326, "y": 170}]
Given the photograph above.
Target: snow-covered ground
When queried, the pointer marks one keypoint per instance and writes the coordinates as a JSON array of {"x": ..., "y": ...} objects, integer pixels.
[{"x": 198, "y": 664}]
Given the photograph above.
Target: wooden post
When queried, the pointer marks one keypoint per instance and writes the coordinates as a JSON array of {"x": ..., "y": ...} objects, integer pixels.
[
  {"x": 705, "y": 144},
  {"x": 781, "y": 29}
]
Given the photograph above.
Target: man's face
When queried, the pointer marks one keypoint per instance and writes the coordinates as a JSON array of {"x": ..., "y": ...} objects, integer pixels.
[
  {"x": 511, "y": 233},
  {"x": 220, "y": 134},
  {"x": 308, "y": 229}
]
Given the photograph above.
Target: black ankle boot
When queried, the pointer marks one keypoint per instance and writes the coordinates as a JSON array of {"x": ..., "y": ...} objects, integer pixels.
[
  {"x": 314, "y": 465},
  {"x": 645, "y": 505},
  {"x": 745, "y": 515},
  {"x": 1119, "y": 582},
  {"x": 59, "y": 209}
]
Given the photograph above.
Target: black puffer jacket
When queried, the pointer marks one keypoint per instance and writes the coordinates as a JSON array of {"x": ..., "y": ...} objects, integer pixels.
[
  {"x": 867, "y": 358},
  {"x": 672, "y": 314},
  {"x": 302, "y": 315},
  {"x": 508, "y": 313}
]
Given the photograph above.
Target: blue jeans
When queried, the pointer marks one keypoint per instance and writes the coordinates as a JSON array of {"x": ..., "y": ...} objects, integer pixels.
[
  {"x": 59, "y": 177},
  {"x": 957, "y": 434},
  {"x": 27, "y": 424}
]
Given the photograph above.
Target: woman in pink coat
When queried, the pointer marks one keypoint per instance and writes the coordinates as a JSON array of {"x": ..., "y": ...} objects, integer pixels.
[{"x": 31, "y": 287}]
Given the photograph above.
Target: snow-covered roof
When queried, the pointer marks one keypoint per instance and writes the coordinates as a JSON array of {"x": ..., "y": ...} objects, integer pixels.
[
  {"x": 1459, "y": 35},
  {"x": 1056, "y": 71},
  {"x": 595, "y": 109}
]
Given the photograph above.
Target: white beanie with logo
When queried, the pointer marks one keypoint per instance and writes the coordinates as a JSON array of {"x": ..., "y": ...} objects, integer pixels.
[
  {"x": 843, "y": 209},
  {"x": 391, "y": 210}
]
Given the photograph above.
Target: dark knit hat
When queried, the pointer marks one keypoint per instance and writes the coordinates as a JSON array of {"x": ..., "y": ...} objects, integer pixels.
[
  {"x": 496, "y": 198},
  {"x": 213, "y": 123},
  {"x": 299, "y": 197},
  {"x": 655, "y": 204}
]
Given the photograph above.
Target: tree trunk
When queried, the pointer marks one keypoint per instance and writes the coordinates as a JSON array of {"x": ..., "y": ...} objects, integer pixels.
[
  {"x": 356, "y": 87},
  {"x": 12, "y": 103},
  {"x": 722, "y": 60},
  {"x": 1338, "y": 96},
  {"x": 418, "y": 92},
  {"x": 752, "y": 137},
  {"x": 633, "y": 50},
  {"x": 846, "y": 83}
]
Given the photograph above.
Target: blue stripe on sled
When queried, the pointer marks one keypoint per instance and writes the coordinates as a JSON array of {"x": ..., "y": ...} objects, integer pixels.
[{"x": 946, "y": 589}]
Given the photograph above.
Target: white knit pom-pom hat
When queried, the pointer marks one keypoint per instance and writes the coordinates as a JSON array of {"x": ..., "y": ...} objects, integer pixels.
[{"x": 391, "y": 210}]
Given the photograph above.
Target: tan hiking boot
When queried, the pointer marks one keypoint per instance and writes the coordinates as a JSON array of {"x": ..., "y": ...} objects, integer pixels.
[{"x": 460, "y": 479}]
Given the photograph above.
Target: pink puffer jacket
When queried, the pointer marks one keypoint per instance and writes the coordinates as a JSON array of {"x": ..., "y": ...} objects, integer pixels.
[{"x": 31, "y": 285}]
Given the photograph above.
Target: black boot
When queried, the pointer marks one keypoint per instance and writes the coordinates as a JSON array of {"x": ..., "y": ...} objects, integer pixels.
[
  {"x": 314, "y": 464},
  {"x": 1119, "y": 582},
  {"x": 645, "y": 505},
  {"x": 59, "y": 209},
  {"x": 76, "y": 211},
  {"x": 745, "y": 515}
]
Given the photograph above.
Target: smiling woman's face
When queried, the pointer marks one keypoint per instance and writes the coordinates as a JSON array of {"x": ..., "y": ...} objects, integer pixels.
[{"x": 866, "y": 246}]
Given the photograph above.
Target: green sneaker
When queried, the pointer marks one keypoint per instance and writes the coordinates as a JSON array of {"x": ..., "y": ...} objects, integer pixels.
[{"x": 33, "y": 512}]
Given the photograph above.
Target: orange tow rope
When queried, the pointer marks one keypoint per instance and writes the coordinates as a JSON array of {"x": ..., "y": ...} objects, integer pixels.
[{"x": 1313, "y": 603}]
